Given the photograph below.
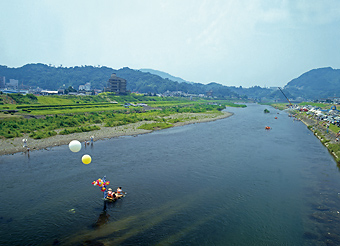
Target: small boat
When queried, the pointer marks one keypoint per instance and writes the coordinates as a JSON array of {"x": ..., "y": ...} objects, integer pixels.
[
  {"x": 110, "y": 199},
  {"x": 267, "y": 128},
  {"x": 275, "y": 118}
]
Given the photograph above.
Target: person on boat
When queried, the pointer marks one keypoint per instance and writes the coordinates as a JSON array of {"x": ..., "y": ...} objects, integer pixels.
[
  {"x": 119, "y": 192},
  {"x": 110, "y": 194}
]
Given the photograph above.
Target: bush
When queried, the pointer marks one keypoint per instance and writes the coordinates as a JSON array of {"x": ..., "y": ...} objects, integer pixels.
[
  {"x": 155, "y": 126},
  {"x": 174, "y": 120},
  {"x": 11, "y": 134},
  {"x": 114, "y": 123},
  {"x": 79, "y": 129},
  {"x": 42, "y": 134},
  {"x": 334, "y": 147}
]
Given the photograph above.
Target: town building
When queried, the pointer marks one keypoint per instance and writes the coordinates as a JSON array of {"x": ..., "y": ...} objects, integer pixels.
[
  {"x": 116, "y": 84},
  {"x": 87, "y": 86},
  {"x": 2, "y": 82},
  {"x": 13, "y": 84}
]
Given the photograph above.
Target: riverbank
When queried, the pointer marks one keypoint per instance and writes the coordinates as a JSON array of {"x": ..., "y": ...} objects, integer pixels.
[
  {"x": 326, "y": 136},
  {"x": 15, "y": 145}
]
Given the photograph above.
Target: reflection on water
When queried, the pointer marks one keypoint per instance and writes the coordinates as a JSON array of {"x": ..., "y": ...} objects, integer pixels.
[{"x": 227, "y": 182}]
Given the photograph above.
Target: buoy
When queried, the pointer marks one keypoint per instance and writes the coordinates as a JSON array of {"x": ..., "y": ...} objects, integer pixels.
[
  {"x": 86, "y": 159},
  {"x": 74, "y": 145}
]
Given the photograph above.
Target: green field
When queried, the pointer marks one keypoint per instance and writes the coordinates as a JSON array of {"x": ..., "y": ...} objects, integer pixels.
[{"x": 46, "y": 116}]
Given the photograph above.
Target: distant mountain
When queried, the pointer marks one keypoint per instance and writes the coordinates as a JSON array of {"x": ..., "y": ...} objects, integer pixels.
[
  {"x": 257, "y": 92},
  {"x": 53, "y": 78},
  {"x": 164, "y": 75},
  {"x": 147, "y": 82},
  {"x": 316, "y": 84}
]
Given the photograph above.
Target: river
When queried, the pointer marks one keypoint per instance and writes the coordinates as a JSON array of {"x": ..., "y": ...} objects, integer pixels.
[{"x": 226, "y": 182}]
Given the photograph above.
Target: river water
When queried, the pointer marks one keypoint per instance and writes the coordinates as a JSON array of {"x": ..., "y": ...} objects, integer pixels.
[{"x": 226, "y": 182}]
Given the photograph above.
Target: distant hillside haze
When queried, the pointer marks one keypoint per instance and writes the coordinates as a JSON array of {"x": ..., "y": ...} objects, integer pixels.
[
  {"x": 164, "y": 75},
  {"x": 315, "y": 84}
]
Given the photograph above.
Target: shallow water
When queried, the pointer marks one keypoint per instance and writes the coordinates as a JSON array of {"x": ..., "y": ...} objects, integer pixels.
[{"x": 227, "y": 182}]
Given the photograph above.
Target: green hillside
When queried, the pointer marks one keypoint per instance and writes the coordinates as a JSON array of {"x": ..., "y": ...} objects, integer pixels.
[
  {"x": 316, "y": 84},
  {"x": 53, "y": 78}
]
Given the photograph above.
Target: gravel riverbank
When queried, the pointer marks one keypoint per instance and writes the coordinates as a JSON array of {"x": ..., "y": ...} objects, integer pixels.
[{"x": 14, "y": 145}]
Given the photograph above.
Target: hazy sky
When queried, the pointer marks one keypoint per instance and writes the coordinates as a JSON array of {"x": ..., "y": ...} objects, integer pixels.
[{"x": 232, "y": 42}]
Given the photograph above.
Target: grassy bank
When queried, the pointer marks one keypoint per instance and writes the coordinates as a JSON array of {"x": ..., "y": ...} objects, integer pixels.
[
  {"x": 47, "y": 116},
  {"x": 327, "y": 136}
]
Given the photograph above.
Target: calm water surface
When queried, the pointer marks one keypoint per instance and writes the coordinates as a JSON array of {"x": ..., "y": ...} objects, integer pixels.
[{"x": 227, "y": 182}]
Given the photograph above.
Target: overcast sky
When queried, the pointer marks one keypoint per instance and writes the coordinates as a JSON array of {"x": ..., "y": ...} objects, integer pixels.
[{"x": 232, "y": 42}]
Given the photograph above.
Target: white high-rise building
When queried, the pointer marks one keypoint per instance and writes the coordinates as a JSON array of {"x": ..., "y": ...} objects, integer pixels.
[
  {"x": 81, "y": 87},
  {"x": 13, "y": 83},
  {"x": 87, "y": 86}
]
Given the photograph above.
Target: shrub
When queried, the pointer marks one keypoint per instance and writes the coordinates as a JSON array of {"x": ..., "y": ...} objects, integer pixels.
[
  {"x": 114, "y": 123},
  {"x": 11, "y": 134},
  {"x": 97, "y": 121},
  {"x": 79, "y": 129},
  {"x": 174, "y": 120},
  {"x": 155, "y": 126},
  {"x": 42, "y": 134}
]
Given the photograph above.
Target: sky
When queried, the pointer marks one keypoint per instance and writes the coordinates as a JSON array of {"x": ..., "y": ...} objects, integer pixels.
[{"x": 232, "y": 42}]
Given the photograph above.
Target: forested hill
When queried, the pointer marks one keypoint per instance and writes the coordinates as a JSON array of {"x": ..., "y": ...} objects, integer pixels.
[
  {"x": 53, "y": 78},
  {"x": 316, "y": 84},
  {"x": 163, "y": 75},
  {"x": 50, "y": 77}
]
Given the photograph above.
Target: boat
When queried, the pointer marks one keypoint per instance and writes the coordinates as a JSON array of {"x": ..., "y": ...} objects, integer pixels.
[
  {"x": 110, "y": 199},
  {"x": 267, "y": 128}
]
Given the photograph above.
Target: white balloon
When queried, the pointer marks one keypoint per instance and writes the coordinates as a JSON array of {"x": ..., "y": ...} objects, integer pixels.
[{"x": 74, "y": 145}]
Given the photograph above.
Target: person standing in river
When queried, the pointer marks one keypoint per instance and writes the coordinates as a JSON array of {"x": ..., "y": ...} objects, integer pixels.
[{"x": 25, "y": 142}]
